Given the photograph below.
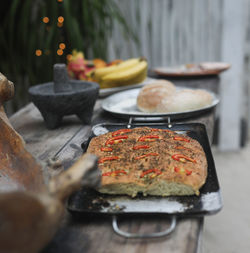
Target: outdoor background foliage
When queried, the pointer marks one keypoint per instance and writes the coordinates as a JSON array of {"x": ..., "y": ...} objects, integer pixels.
[{"x": 86, "y": 26}]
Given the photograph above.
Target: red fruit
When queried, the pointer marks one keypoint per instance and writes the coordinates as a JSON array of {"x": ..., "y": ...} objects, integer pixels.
[{"x": 82, "y": 76}]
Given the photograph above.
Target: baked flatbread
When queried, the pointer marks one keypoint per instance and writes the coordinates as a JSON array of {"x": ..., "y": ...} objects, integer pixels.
[{"x": 150, "y": 161}]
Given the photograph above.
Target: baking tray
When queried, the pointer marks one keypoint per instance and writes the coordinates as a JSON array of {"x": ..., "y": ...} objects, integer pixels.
[
  {"x": 123, "y": 105},
  {"x": 89, "y": 201},
  {"x": 209, "y": 201}
]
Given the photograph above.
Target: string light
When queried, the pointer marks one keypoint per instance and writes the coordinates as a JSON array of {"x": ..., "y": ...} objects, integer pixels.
[
  {"x": 59, "y": 24},
  {"x": 38, "y": 52},
  {"x": 60, "y": 52},
  {"x": 60, "y": 19},
  {"x": 62, "y": 46},
  {"x": 45, "y": 20},
  {"x": 69, "y": 57}
]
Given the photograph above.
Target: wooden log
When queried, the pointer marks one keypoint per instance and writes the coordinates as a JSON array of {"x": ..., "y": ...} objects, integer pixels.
[
  {"x": 30, "y": 213},
  {"x": 18, "y": 168},
  {"x": 6, "y": 89},
  {"x": 6, "y": 93},
  {"x": 72, "y": 179},
  {"x": 30, "y": 220}
]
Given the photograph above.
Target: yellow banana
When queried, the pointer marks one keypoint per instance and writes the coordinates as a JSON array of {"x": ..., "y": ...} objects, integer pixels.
[
  {"x": 127, "y": 74},
  {"x": 138, "y": 79},
  {"x": 111, "y": 83},
  {"x": 101, "y": 72}
]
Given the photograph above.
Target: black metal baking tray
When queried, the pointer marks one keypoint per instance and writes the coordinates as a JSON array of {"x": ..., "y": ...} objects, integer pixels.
[{"x": 208, "y": 202}]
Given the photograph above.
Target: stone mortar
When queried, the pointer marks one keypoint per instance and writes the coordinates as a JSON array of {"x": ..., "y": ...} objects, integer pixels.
[{"x": 64, "y": 97}]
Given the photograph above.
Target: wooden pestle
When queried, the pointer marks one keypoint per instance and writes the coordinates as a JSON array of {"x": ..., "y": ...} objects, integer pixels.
[{"x": 30, "y": 212}]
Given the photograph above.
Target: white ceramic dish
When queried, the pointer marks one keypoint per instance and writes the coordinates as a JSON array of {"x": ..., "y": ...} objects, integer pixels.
[{"x": 123, "y": 104}]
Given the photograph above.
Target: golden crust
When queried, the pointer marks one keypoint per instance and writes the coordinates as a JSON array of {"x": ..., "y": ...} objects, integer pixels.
[
  {"x": 152, "y": 94},
  {"x": 158, "y": 173},
  {"x": 162, "y": 97},
  {"x": 185, "y": 100}
]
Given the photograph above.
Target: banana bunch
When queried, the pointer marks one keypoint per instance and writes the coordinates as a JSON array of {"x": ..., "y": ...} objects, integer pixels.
[{"x": 128, "y": 72}]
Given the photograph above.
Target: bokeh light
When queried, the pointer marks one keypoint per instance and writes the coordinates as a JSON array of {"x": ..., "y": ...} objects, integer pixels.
[
  {"x": 60, "y": 52},
  {"x": 62, "y": 46},
  {"x": 38, "y": 52},
  {"x": 59, "y": 1},
  {"x": 60, "y": 19},
  {"x": 69, "y": 57},
  {"x": 59, "y": 24},
  {"x": 45, "y": 20}
]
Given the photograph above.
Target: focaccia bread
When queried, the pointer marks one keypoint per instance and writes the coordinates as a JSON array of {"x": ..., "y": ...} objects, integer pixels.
[{"x": 151, "y": 161}]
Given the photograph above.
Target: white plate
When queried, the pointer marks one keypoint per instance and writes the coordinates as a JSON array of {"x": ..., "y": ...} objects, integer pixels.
[
  {"x": 123, "y": 104},
  {"x": 201, "y": 69}
]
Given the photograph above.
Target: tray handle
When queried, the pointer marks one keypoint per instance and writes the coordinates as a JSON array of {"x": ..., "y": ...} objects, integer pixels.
[
  {"x": 131, "y": 119},
  {"x": 150, "y": 235}
]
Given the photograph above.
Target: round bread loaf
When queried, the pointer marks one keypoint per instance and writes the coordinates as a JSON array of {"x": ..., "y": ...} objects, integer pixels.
[
  {"x": 185, "y": 100},
  {"x": 152, "y": 94}
]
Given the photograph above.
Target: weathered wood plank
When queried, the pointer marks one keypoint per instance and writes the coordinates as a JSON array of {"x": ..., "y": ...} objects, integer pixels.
[
  {"x": 246, "y": 91},
  {"x": 232, "y": 83},
  {"x": 94, "y": 235},
  {"x": 179, "y": 31},
  {"x": 40, "y": 141}
]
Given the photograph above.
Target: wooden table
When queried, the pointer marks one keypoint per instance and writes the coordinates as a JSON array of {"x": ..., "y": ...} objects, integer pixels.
[{"x": 93, "y": 234}]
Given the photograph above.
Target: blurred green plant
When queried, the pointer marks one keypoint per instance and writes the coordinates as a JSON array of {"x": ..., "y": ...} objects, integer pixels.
[{"x": 29, "y": 43}]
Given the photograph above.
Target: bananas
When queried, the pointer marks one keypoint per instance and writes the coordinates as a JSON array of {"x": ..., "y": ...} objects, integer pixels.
[
  {"x": 101, "y": 72},
  {"x": 131, "y": 71}
]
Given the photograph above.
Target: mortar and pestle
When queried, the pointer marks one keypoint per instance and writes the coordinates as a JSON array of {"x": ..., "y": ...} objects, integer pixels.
[{"x": 64, "y": 97}]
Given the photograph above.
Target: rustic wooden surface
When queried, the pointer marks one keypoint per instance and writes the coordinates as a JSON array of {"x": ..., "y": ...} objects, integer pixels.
[{"x": 95, "y": 234}]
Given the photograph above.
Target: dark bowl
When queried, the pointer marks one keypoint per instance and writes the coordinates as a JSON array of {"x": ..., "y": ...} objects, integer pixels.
[{"x": 53, "y": 106}]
